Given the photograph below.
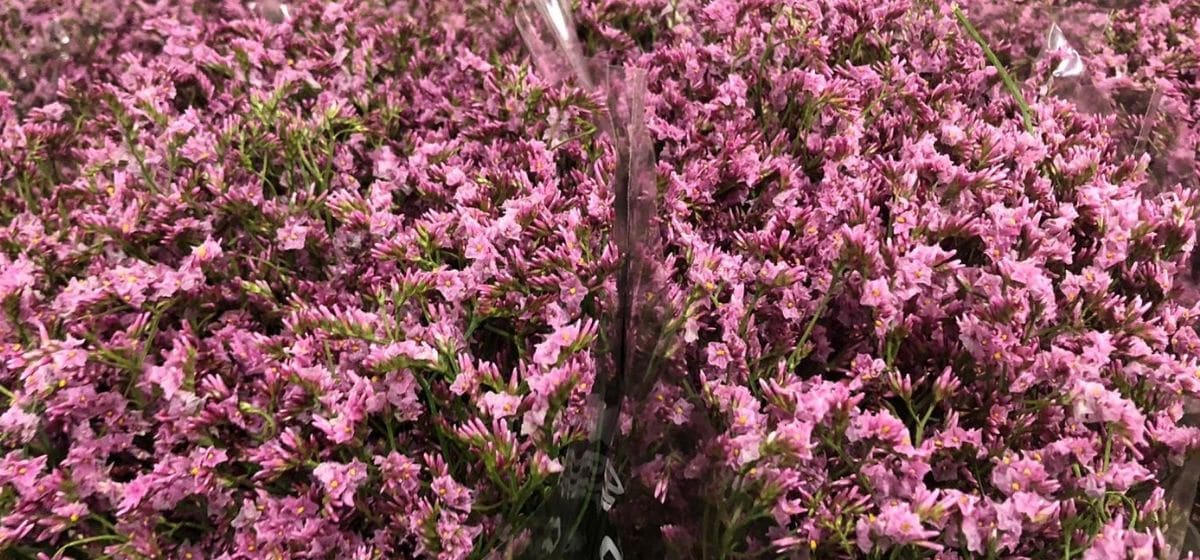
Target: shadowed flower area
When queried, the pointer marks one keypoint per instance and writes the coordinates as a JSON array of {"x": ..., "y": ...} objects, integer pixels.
[{"x": 324, "y": 279}]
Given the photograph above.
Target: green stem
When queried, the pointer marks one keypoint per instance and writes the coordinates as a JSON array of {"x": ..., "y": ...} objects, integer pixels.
[
  {"x": 391, "y": 435},
  {"x": 1068, "y": 532},
  {"x": 247, "y": 408},
  {"x": 1009, "y": 83},
  {"x": 107, "y": 524},
  {"x": 796, "y": 356},
  {"x": 83, "y": 541},
  {"x": 1107, "y": 451},
  {"x": 921, "y": 421}
]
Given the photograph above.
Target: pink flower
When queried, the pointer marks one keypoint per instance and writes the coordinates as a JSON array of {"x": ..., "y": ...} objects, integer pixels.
[
  {"x": 880, "y": 426},
  {"x": 199, "y": 147},
  {"x": 480, "y": 249},
  {"x": 1013, "y": 476},
  {"x": 338, "y": 428},
  {"x": 1034, "y": 508},
  {"x": 207, "y": 251},
  {"x": 1109, "y": 544},
  {"x": 680, "y": 412},
  {"x": 549, "y": 351},
  {"x": 450, "y": 284},
  {"x": 500, "y": 405},
  {"x": 896, "y": 524},
  {"x": 451, "y": 493},
  {"x": 67, "y": 515},
  {"x": 167, "y": 377},
  {"x": 292, "y": 236},
  {"x": 796, "y": 437},
  {"x": 876, "y": 293},
  {"x": 399, "y": 473},
  {"x": 1092, "y": 402},
  {"x": 341, "y": 481},
  {"x": 18, "y": 425},
  {"x": 131, "y": 283},
  {"x": 404, "y": 350},
  {"x": 718, "y": 355},
  {"x": 747, "y": 448},
  {"x": 455, "y": 177},
  {"x": 15, "y": 276}
]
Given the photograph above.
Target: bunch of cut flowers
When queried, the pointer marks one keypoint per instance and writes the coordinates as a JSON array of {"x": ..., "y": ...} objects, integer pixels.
[{"x": 318, "y": 280}]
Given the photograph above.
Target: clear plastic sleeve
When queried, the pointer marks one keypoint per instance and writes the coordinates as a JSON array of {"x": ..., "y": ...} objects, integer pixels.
[
  {"x": 597, "y": 503},
  {"x": 1146, "y": 125},
  {"x": 1149, "y": 126},
  {"x": 574, "y": 521},
  {"x": 1182, "y": 536}
]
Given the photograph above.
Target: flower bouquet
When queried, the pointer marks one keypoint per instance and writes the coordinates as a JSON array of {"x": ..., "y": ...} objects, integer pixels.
[{"x": 389, "y": 279}]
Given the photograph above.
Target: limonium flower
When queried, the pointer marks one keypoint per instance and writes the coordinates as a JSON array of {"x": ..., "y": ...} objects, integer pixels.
[
  {"x": 331, "y": 280},
  {"x": 341, "y": 480}
]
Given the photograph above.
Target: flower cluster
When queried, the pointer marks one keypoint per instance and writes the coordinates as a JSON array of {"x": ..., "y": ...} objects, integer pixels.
[
  {"x": 912, "y": 324},
  {"x": 323, "y": 280},
  {"x": 286, "y": 281}
]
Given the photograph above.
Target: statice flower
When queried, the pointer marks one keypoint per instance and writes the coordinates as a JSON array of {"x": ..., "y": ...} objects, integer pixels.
[
  {"x": 333, "y": 280},
  {"x": 341, "y": 480}
]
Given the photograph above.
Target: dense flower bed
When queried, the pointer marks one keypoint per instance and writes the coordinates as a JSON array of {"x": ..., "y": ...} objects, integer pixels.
[{"x": 321, "y": 280}]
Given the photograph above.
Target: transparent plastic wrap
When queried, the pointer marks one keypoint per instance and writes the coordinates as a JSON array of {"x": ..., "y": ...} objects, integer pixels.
[
  {"x": 1147, "y": 125},
  {"x": 1146, "y": 122},
  {"x": 1059, "y": 62},
  {"x": 597, "y": 509},
  {"x": 574, "y": 521},
  {"x": 1182, "y": 536}
]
